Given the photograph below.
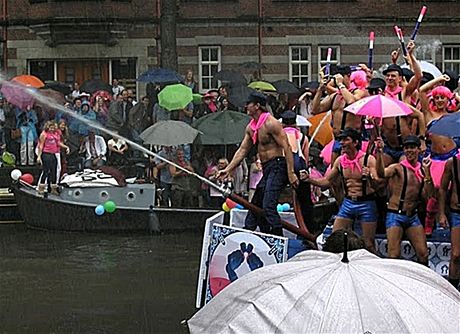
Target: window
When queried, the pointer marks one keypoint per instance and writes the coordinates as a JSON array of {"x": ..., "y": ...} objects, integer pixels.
[
  {"x": 451, "y": 58},
  {"x": 42, "y": 69},
  {"x": 209, "y": 65},
  {"x": 322, "y": 56},
  {"x": 299, "y": 64}
]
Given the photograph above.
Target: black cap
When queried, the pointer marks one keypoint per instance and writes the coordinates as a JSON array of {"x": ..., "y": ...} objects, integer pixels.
[
  {"x": 407, "y": 74},
  {"x": 289, "y": 117},
  {"x": 426, "y": 77},
  {"x": 452, "y": 84},
  {"x": 256, "y": 97},
  {"x": 377, "y": 83},
  {"x": 393, "y": 68},
  {"x": 349, "y": 132},
  {"x": 340, "y": 69},
  {"x": 412, "y": 140}
]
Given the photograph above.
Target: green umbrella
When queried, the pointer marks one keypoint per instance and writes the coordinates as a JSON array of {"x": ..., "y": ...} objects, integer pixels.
[
  {"x": 222, "y": 127},
  {"x": 262, "y": 85},
  {"x": 175, "y": 97},
  {"x": 197, "y": 98}
]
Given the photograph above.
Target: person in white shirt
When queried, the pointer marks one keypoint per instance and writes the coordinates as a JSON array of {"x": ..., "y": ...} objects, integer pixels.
[
  {"x": 96, "y": 149},
  {"x": 116, "y": 88},
  {"x": 117, "y": 151}
]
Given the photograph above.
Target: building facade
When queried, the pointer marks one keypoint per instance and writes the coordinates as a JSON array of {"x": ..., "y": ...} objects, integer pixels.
[{"x": 72, "y": 41}]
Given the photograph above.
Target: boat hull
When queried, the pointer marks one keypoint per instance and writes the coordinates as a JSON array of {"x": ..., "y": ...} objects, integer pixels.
[{"x": 52, "y": 214}]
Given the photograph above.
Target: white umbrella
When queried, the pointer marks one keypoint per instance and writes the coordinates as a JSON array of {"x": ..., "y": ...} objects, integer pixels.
[
  {"x": 427, "y": 67},
  {"x": 315, "y": 292},
  {"x": 169, "y": 133},
  {"x": 299, "y": 121}
]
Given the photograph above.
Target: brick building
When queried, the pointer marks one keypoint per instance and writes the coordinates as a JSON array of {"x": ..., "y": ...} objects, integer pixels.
[{"x": 76, "y": 40}]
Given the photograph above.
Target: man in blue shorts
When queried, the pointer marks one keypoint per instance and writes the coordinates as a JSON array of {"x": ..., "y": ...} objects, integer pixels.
[
  {"x": 451, "y": 178},
  {"x": 359, "y": 177},
  {"x": 407, "y": 183}
]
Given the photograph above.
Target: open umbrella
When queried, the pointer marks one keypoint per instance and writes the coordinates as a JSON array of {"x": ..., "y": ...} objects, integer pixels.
[
  {"x": 58, "y": 86},
  {"x": 93, "y": 85},
  {"x": 300, "y": 121},
  {"x": 18, "y": 94},
  {"x": 197, "y": 98},
  {"x": 28, "y": 80},
  {"x": 222, "y": 128},
  {"x": 322, "y": 122},
  {"x": 160, "y": 76},
  {"x": 285, "y": 87},
  {"x": 315, "y": 292},
  {"x": 379, "y": 106},
  {"x": 262, "y": 85},
  {"x": 447, "y": 125},
  {"x": 252, "y": 65},
  {"x": 175, "y": 97},
  {"x": 169, "y": 133},
  {"x": 231, "y": 76},
  {"x": 239, "y": 95},
  {"x": 427, "y": 67}
]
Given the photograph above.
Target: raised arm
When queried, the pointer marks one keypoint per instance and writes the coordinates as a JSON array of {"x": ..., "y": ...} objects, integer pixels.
[
  {"x": 319, "y": 106},
  {"x": 414, "y": 82}
]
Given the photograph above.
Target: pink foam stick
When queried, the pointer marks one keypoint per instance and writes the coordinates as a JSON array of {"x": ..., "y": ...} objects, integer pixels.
[
  {"x": 371, "y": 49},
  {"x": 328, "y": 61}
]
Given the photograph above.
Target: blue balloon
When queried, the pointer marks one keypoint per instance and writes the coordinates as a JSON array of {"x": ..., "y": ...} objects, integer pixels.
[
  {"x": 286, "y": 207},
  {"x": 99, "y": 210},
  {"x": 279, "y": 208},
  {"x": 240, "y": 207}
]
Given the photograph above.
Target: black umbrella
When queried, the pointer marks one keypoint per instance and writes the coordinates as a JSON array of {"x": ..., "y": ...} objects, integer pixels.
[
  {"x": 160, "y": 76},
  {"x": 239, "y": 95},
  {"x": 231, "y": 76},
  {"x": 252, "y": 65},
  {"x": 58, "y": 86},
  {"x": 93, "y": 85},
  {"x": 285, "y": 87}
]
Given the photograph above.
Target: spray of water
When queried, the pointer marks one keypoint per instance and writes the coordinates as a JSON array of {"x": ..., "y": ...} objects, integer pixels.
[
  {"x": 51, "y": 103},
  {"x": 426, "y": 49}
]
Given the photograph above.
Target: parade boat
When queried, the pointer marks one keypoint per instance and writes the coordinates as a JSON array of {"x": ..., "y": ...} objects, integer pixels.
[{"x": 74, "y": 209}]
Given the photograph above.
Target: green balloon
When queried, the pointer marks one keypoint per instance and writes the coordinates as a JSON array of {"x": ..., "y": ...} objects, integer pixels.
[{"x": 110, "y": 206}]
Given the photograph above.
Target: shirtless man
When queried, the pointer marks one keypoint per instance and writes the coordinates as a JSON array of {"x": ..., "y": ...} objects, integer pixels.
[
  {"x": 357, "y": 175},
  {"x": 277, "y": 163},
  {"x": 395, "y": 129},
  {"x": 451, "y": 178},
  {"x": 407, "y": 183},
  {"x": 336, "y": 102}
]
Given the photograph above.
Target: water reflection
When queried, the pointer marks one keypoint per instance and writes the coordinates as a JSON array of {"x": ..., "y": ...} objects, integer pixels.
[{"x": 94, "y": 283}]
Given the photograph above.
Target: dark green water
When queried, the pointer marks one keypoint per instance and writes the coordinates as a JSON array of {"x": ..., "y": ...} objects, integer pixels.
[{"x": 94, "y": 283}]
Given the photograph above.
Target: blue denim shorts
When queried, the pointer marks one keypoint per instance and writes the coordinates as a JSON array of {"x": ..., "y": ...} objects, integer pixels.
[
  {"x": 454, "y": 219},
  {"x": 403, "y": 221},
  {"x": 362, "y": 211}
]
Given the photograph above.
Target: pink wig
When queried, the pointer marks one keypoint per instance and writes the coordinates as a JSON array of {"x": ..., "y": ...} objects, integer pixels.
[
  {"x": 445, "y": 92},
  {"x": 358, "y": 80}
]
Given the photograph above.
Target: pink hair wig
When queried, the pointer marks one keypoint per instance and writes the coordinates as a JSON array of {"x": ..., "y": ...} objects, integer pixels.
[
  {"x": 358, "y": 80},
  {"x": 445, "y": 92}
]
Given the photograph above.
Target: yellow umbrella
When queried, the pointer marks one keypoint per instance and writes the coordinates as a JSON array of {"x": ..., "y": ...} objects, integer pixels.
[{"x": 262, "y": 85}]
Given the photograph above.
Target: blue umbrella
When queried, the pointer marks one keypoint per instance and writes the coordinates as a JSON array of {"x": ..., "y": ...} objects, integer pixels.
[
  {"x": 160, "y": 76},
  {"x": 448, "y": 125}
]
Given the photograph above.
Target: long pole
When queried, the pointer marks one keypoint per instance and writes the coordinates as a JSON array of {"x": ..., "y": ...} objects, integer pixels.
[
  {"x": 5, "y": 35},
  {"x": 260, "y": 13}
]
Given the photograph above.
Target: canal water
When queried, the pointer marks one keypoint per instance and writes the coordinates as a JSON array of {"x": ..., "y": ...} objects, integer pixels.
[{"x": 54, "y": 282}]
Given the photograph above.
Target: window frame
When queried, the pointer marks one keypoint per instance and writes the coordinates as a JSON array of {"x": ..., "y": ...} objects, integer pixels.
[
  {"x": 451, "y": 61},
  {"x": 300, "y": 62},
  {"x": 209, "y": 63}
]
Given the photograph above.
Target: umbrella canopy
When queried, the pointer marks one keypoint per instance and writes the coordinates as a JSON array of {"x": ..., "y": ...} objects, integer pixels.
[
  {"x": 18, "y": 95},
  {"x": 175, "y": 97},
  {"x": 262, "y": 85},
  {"x": 315, "y": 292},
  {"x": 285, "y": 87},
  {"x": 427, "y": 67},
  {"x": 300, "y": 121},
  {"x": 28, "y": 80},
  {"x": 222, "y": 128},
  {"x": 253, "y": 65},
  {"x": 231, "y": 76},
  {"x": 93, "y": 85},
  {"x": 325, "y": 134},
  {"x": 379, "y": 106},
  {"x": 197, "y": 98},
  {"x": 169, "y": 133},
  {"x": 239, "y": 95},
  {"x": 448, "y": 125},
  {"x": 160, "y": 76},
  {"x": 58, "y": 86}
]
